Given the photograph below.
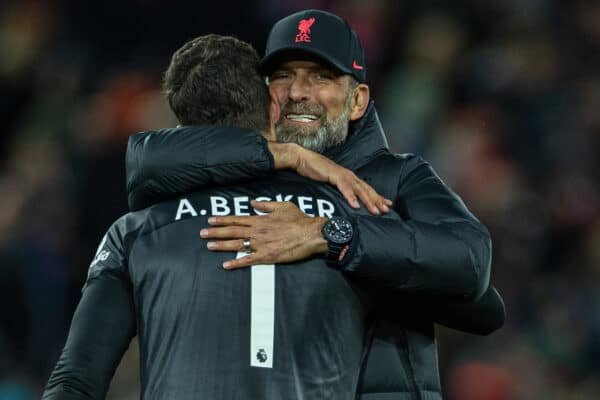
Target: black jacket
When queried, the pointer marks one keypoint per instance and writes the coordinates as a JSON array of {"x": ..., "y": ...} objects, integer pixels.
[
  {"x": 433, "y": 264},
  {"x": 291, "y": 332}
]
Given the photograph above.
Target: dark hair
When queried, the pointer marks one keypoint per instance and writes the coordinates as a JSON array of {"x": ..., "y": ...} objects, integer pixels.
[{"x": 215, "y": 80}]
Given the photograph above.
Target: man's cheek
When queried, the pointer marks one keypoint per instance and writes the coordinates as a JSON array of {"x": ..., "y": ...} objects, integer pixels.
[{"x": 279, "y": 93}]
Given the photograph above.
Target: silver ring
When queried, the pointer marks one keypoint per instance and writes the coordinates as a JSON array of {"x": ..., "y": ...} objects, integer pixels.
[{"x": 246, "y": 244}]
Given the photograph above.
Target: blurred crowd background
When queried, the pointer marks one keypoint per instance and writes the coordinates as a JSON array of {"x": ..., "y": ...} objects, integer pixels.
[{"x": 503, "y": 98}]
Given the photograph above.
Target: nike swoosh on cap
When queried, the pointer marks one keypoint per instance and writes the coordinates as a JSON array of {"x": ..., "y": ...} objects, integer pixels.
[{"x": 356, "y": 66}]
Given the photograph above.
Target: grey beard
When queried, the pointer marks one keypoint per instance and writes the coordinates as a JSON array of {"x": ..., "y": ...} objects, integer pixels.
[{"x": 331, "y": 133}]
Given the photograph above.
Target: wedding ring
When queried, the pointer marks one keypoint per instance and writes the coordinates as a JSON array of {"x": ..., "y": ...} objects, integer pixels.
[{"x": 246, "y": 244}]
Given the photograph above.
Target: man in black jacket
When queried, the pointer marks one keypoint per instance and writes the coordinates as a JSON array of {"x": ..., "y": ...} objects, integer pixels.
[
  {"x": 422, "y": 266},
  {"x": 295, "y": 332}
]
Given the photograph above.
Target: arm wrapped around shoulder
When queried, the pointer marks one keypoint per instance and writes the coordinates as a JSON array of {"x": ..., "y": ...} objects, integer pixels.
[{"x": 170, "y": 162}]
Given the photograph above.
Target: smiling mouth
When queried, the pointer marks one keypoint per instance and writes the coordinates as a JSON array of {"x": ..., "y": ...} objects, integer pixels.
[{"x": 304, "y": 118}]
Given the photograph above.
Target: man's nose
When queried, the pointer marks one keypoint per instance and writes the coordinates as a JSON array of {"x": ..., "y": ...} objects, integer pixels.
[{"x": 299, "y": 89}]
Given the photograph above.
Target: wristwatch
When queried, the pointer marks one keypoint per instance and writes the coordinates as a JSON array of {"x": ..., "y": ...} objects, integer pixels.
[{"x": 338, "y": 232}]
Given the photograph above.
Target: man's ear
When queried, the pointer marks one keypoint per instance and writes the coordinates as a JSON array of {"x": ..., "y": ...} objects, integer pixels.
[
  {"x": 274, "y": 113},
  {"x": 274, "y": 110},
  {"x": 360, "y": 101}
]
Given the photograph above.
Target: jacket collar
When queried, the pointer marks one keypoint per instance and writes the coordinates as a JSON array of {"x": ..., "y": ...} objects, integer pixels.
[{"x": 365, "y": 141}]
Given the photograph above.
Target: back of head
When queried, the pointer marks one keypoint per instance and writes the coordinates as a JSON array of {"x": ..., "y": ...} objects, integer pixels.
[{"x": 215, "y": 80}]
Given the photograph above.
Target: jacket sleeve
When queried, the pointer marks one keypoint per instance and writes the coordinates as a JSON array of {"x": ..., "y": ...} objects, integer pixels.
[
  {"x": 438, "y": 248},
  {"x": 170, "y": 162},
  {"x": 481, "y": 317},
  {"x": 101, "y": 329}
]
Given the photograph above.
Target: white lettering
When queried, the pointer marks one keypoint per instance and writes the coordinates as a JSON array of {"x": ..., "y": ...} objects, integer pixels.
[
  {"x": 280, "y": 197},
  {"x": 304, "y": 203},
  {"x": 185, "y": 208},
  {"x": 218, "y": 206},
  {"x": 325, "y": 208},
  {"x": 241, "y": 209}
]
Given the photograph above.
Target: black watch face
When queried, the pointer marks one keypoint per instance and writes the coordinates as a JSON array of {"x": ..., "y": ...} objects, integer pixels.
[{"x": 338, "y": 230}]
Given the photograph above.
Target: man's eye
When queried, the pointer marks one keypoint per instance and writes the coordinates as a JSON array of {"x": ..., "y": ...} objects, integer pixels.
[
  {"x": 323, "y": 76},
  {"x": 278, "y": 75}
]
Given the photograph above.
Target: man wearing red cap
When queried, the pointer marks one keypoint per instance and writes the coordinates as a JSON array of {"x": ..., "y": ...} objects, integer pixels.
[{"x": 433, "y": 266}]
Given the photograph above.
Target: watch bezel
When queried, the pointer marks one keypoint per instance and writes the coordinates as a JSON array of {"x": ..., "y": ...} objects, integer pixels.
[{"x": 336, "y": 226}]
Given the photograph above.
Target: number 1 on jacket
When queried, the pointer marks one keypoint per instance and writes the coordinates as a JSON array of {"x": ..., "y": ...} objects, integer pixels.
[{"x": 262, "y": 314}]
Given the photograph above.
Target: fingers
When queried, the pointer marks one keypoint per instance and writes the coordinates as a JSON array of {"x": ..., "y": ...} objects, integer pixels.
[
  {"x": 227, "y": 245},
  {"x": 246, "y": 261},
  {"x": 264, "y": 206},
  {"x": 376, "y": 204},
  {"x": 368, "y": 196},
  {"x": 232, "y": 220},
  {"x": 348, "y": 193},
  {"x": 320, "y": 168},
  {"x": 354, "y": 189},
  {"x": 234, "y": 245},
  {"x": 225, "y": 232},
  {"x": 383, "y": 204}
]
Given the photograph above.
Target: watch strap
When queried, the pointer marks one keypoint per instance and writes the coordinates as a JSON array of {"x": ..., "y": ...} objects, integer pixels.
[{"x": 333, "y": 252}]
